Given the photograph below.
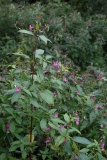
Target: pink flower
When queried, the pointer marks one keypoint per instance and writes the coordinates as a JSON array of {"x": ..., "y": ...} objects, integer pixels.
[
  {"x": 18, "y": 89},
  {"x": 102, "y": 145},
  {"x": 65, "y": 80},
  {"x": 56, "y": 115},
  {"x": 72, "y": 75},
  {"x": 48, "y": 128},
  {"x": 100, "y": 78},
  {"x": 0, "y": 79},
  {"x": 75, "y": 157},
  {"x": 62, "y": 126},
  {"x": 69, "y": 98},
  {"x": 76, "y": 113},
  {"x": 17, "y": 107},
  {"x": 77, "y": 92},
  {"x": 58, "y": 70},
  {"x": 96, "y": 107},
  {"x": 55, "y": 93},
  {"x": 47, "y": 140},
  {"x": 77, "y": 121},
  {"x": 65, "y": 140},
  {"x": 31, "y": 27},
  {"x": 8, "y": 127},
  {"x": 55, "y": 64}
]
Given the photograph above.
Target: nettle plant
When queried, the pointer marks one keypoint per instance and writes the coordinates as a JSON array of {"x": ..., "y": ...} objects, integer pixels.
[{"x": 40, "y": 105}]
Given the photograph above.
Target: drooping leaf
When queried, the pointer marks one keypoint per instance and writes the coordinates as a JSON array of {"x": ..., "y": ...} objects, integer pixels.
[
  {"x": 26, "y": 32},
  {"x": 21, "y": 55},
  {"x": 43, "y": 38}
]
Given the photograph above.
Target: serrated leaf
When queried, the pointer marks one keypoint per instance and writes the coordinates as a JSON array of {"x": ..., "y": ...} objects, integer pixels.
[
  {"x": 81, "y": 140},
  {"x": 26, "y": 32},
  {"x": 73, "y": 130},
  {"x": 15, "y": 97},
  {"x": 18, "y": 120}
]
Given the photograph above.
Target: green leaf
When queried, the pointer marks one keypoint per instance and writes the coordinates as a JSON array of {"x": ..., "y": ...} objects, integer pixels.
[
  {"x": 54, "y": 120},
  {"x": 34, "y": 102},
  {"x": 59, "y": 140},
  {"x": 53, "y": 126},
  {"x": 92, "y": 116},
  {"x": 15, "y": 97},
  {"x": 12, "y": 127},
  {"x": 44, "y": 65},
  {"x": 37, "y": 26},
  {"x": 26, "y": 32},
  {"x": 47, "y": 96},
  {"x": 22, "y": 55},
  {"x": 73, "y": 130},
  {"x": 43, "y": 38},
  {"x": 67, "y": 118},
  {"x": 24, "y": 154},
  {"x": 9, "y": 92},
  {"x": 40, "y": 74},
  {"x": 27, "y": 91},
  {"x": 18, "y": 120},
  {"x": 82, "y": 156},
  {"x": 67, "y": 148},
  {"x": 84, "y": 150},
  {"x": 81, "y": 140},
  {"x": 43, "y": 124},
  {"x": 39, "y": 52}
]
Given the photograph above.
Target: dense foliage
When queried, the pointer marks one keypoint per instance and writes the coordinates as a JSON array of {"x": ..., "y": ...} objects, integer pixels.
[{"x": 53, "y": 81}]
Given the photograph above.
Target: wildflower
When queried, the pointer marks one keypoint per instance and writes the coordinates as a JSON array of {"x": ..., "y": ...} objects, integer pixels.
[
  {"x": 96, "y": 107},
  {"x": 69, "y": 98},
  {"x": 8, "y": 127},
  {"x": 76, "y": 113},
  {"x": 56, "y": 115},
  {"x": 77, "y": 92},
  {"x": 18, "y": 89},
  {"x": 75, "y": 157},
  {"x": 31, "y": 27},
  {"x": 100, "y": 78},
  {"x": 55, "y": 64},
  {"x": 58, "y": 70},
  {"x": 65, "y": 80},
  {"x": 102, "y": 145},
  {"x": 77, "y": 121},
  {"x": 65, "y": 140},
  {"x": 62, "y": 126},
  {"x": 72, "y": 75},
  {"x": 16, "y": 106},
  {"x": 48, "y": 128},
  {"x": 55, "y": 93},
  {"x": 47, "y": 140},
  {"x": 0, "y": 79}
]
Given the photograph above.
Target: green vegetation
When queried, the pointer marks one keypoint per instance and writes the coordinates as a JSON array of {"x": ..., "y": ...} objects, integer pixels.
[{"x": 53, "y": 81}]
